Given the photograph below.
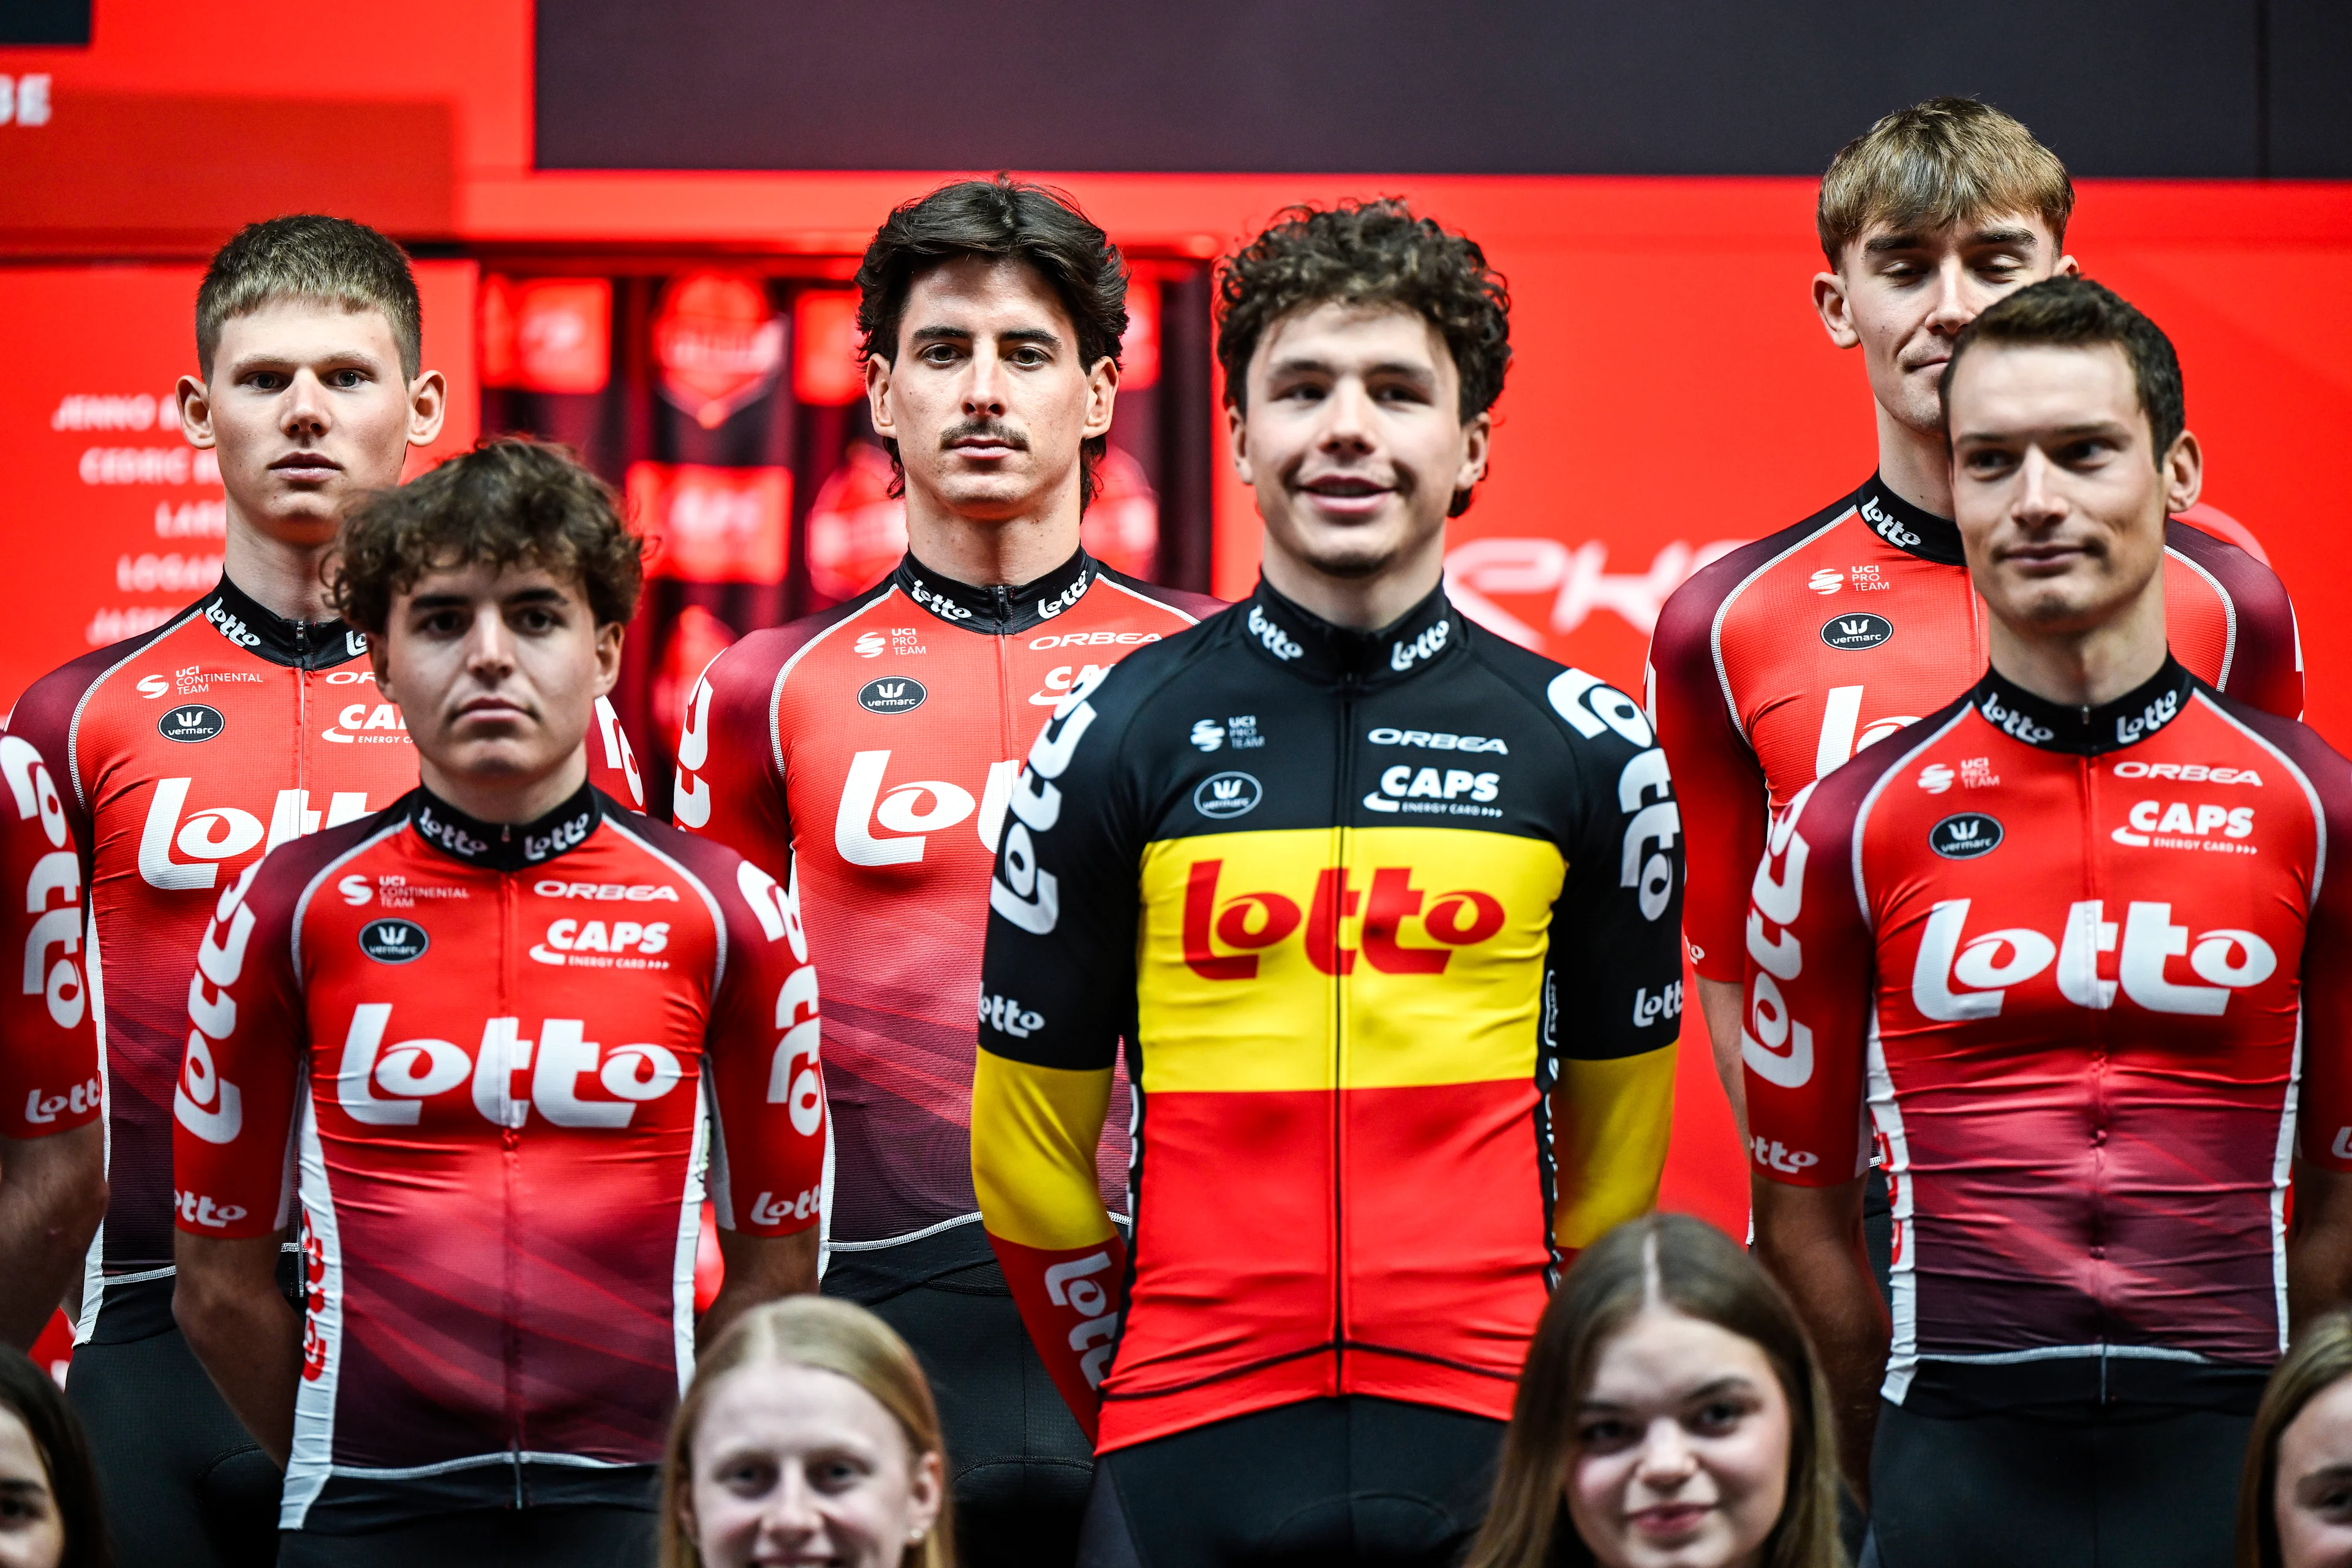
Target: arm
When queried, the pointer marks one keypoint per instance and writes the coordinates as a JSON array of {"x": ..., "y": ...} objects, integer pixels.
[
  {"x": 759, "y": 1268},
  {"x": 1610, "y": 1126},
  {"x": 1720, "y": 1003},
  {"x": 2267, "y": 657},
  {"x": 1810, "y": 1239},
  {"x": 2319, "y": 1238},
  {"x": 727, "y": 786},
  {"x": 242, "y": 1330},
  {"x": 52, "y": 1195},
  {"x": 1057, "y": 977}
]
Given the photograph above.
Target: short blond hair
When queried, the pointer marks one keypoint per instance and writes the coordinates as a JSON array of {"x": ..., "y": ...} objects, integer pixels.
[
  {"x": 1942, "y": 161},
  {"x": 830, "y": 1335}
]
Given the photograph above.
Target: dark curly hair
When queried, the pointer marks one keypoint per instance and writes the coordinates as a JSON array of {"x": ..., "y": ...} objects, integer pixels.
[
  {"x": 1368, "y": 253},
  {"x": 1002, "y": 220},
  {"x": 510, "y": 501},
  {"x": 2074, "y": 312}
]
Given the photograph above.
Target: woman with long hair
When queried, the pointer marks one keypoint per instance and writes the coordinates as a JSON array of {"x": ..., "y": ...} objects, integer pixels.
[
  {"x": 2294, "y": 1496},
  {"x": 1670, "y": 1416},
  {"x": 49, "y": 1512},
  {"x": 808, "y": 1431}
]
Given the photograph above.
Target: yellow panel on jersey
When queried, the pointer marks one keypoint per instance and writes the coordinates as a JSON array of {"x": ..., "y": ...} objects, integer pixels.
[
  {"x": 1035, "y": 1167},
  {"x": 1440, "y": 933},
  {"x": 1610, "y": 1122}
]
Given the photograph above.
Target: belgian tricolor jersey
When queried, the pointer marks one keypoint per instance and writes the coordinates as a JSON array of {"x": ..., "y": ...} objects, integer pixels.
[{"x": 1388, "y": 922}]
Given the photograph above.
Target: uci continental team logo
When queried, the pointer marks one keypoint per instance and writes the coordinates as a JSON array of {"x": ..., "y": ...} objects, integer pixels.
[
  {"x": 191, "y": 723},
  {"x": 1852, "y": 634},
  {"x": 1227, "y": 795},
  {"x": 393, "y": 942},
  {"x": 1965, "y": 837},
  {"x": 897, "y": 696}
]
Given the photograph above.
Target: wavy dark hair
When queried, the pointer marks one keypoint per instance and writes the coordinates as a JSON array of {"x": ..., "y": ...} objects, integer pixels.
[
  {"x": 1687, "y": 1264},
  {"x": 510, "y": 501},
  {"x": 1001, "y": 219},
  {"x": 1368, "y": 253},
  {"x": 34, "y": 1396},
  {"x": 2076, "y": 313}
]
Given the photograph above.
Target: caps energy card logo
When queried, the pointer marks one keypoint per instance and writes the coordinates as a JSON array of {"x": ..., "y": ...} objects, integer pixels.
[
  {"x": 1851, "y": 634},
  {"x": 192, "y": 723},
  {"x": 900, "y": 695},
  {"x": 393, "y": 942},
  {"x": 1965, "y": 837}
]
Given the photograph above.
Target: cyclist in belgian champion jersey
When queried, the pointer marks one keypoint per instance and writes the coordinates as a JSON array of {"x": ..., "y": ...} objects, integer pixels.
[
  {"x": 478, "y": 1048},
  {"x": 2077, "y": 953},
  {"x": 183, "y": 754},
  {"x": 866, "y": 753},
  {"x": 1395, "y": 955},
  {"x": 1776, "y": 663}
]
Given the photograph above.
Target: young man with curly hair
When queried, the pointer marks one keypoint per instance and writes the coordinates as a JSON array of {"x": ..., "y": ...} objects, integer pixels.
[
  {"x": 866, "y": 755},
  {"x": 476, "y": 1048},
  {"x": 1386, "y": 912}
]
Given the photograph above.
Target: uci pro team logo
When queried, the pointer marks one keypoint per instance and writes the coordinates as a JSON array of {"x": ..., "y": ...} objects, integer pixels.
[
  {"x": 1852, "y": 634},
  {"x": 393, "y": 942},
  {"x": 1227, "y": 795},
  {"x": 1965, "y": 837},
  {"x": 896, "y": 696},
  {"x": 189, "y": 724}
]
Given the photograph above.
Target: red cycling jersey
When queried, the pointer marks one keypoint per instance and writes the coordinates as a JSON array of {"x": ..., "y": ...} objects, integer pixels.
[
  {"x": 2084, "y": 973},
  {"x": 485, "y": 1061},
  {"x": 48, "y": 1042},
  {"x": 1776, "y": 663},
  {"x": 869, "y": 751},
  {"x": 186, "y": 754}
]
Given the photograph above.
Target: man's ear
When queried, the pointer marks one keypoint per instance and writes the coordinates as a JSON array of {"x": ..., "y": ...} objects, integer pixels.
[
  {"x": 376, "y": 642},
  {"x": 1237, "y": 439},
  {"x": 2184, "y": 474},
  {"x": 1835, "y": 308},
  {"x": 1102, "y": 396},
  {"x": 195, "y": 404},
  {"x": 877, "y": 395},
  {"x": 608, "y": 656},
  {"x": 428, "y": 405}
]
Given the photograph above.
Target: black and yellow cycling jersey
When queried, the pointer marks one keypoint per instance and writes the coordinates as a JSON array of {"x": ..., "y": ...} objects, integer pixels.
[{"x": 1390, "y": 923}]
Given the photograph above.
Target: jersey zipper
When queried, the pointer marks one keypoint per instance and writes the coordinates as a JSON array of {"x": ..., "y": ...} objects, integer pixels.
[
  {"x": 511, "y": 1178},
  {"x": 1342, "y": 804},
  {"x": 2086, "y": 784}
]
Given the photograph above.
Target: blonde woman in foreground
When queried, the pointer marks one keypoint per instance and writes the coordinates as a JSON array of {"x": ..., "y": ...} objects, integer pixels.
[
  {"x": 1671, "y": 1415},
  {"x": 808, "y": 1433}
]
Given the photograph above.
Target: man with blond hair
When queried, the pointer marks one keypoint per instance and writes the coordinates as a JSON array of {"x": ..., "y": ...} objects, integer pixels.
[{"x": 1775, "y": 664}]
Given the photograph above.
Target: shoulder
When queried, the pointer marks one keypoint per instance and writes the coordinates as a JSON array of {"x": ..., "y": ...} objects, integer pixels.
[
  {"x": 1686, "y": 621},
  {"x": 2321, "y": 765},
  {"x": 45, "y": 714},
  {"x": 704, "y": 859},
  {"x": 1179, "y": 603},
  {"x": 2248, "y": 584},
  {"x": 281, "y": 879},
  {"x": 752, "y": 666},
  {"x": 1851, "y": 787},
  {"x": 1589, "y": 713}
]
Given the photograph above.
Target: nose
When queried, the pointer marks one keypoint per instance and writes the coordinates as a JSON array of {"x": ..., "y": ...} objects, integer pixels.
[
  {"x": 983, "y": 394},
  {"x": 305, "y": 414},
  {"x": 1953, "y": 307},
  {"x": 489, "y": 646},
  {"x": 1346, "y": 417},
  {"x": 1667, "y": 1458},
  {"x": 792, "y": 1515},
  {"x": 2039, "y": 504}
]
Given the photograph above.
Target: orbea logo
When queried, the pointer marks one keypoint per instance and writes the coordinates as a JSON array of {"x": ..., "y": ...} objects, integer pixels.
[{"x": 1254, "y": 922}]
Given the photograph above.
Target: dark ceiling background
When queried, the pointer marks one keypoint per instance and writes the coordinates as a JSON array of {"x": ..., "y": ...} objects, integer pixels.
[{"x": 2149, "y": 88}]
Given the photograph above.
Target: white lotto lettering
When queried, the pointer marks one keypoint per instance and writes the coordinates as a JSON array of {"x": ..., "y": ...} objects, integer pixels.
[
  {"x": 913, "y": 811},
  {"x": 800, "y": 1089},
  {"x": 769, "y": 1209},
  {"x": 1957, "y": 978},
  {"x": 387, "y": 1085},
  {"x": 690, "y": 800},
  {"x": 1071, "y": 1285},
  {"x": 1590, "y": 707},
  {"x": 1771, "y": 1152},
  {"x": 200, "y": 1210}
]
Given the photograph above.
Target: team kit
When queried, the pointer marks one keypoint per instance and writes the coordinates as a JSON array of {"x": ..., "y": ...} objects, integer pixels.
[{"x": 1204, "y": 1032}]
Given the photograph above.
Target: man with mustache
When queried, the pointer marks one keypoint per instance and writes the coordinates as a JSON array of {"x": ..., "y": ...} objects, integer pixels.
[
  {"x": 247, "y": 720},
  {"x": 1398, "y": 979},
  {"x": 866, "y": 753}
]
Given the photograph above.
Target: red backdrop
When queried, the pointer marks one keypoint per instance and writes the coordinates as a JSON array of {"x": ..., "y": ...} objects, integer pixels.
[{"x": 1670, "y": 388}]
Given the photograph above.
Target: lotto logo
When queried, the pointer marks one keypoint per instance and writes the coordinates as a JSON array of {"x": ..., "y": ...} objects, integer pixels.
[
  {"x": 1254, "y": 922},
  {"x": 769, "y": 1209},
  {"x": 1072, "y": 1285},
  {"x": 1005, "y": 1015},
  {"x": 386, "y": 1086},
  {"x": 1770, "y": 1154},
  {"x": 197, "y": 1209},
  {"x": 1958, "y": 977}
]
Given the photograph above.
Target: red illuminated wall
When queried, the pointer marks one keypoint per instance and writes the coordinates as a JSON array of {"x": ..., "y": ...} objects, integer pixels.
[{"x": 1671, "y": 388}]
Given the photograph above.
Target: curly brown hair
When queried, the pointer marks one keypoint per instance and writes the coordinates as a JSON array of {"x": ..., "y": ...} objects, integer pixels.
[{"x": 510, "y": 501}]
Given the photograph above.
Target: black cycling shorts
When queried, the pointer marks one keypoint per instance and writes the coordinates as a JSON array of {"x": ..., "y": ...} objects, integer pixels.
[
  {"x": 582, "y": 1537},
  {"x": 1352, "y": 1481},
  {"x": 1020, "y": 1466},
  {"x": 182, "y": 1482},
  {"x": 2124, "y": 1485}
]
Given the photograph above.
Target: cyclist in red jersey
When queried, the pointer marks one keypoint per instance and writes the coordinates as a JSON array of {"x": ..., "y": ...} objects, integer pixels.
[
  {"x": 52, "y": 1149},
  {"x": 2077, "y": 950},
  {"x": 1776, "y": 663},
  {"x": 182, "y": 755},
  {"x": 479, "y": 1046},
  {"x": 868, "y": 753}
]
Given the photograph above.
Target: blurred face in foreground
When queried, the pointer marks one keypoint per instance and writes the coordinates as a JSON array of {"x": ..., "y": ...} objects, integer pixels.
[
  {"x": 2059, "y": 498},
  {"x": 1682, "y": 1448},
  {"x": 32, "y": 1533},
  {"x": 795, "y": 1465},
  {"x": 1353, "y": 438},
  {"x": 2313, "y": 1496}
]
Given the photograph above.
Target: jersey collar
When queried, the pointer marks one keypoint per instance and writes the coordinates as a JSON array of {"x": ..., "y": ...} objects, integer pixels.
[
  {"x": 262, "y": 632},
  {"x": 504, "y": 846},
  {"x": 1906, "y": 527},
  {"x": 999, "y": 610},
  {"x": 1299, "y": 639},
  {"x": 2085, "y": 732}
]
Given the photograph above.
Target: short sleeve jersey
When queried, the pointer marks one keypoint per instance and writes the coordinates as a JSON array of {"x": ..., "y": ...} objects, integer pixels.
[
  {"x": 48, "y": 1040},
  {"x": 2083, "y": 976},
  {"x": 1778, "y": 661},
  {"x": 182, "y": 756},
  {"x": 482, "y": 1067}
]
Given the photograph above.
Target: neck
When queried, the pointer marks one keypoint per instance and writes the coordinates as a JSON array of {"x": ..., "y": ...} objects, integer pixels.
[
  {"x": 1915, "y": 465},
  {"x": 505, "y": 798},
  {"x": 284, "y": 577},
  {"x": 1359, "y": 604},
  {"x": 2085, "y": 667},
  {"x": 985, "y": 551}
]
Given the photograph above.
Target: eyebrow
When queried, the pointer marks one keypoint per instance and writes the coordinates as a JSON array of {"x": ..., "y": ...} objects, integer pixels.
[
  {"x": 1306, "y": 366},
  {"x": 1045, "y": 335},
  {"x": 522, "y": 596},
  {"x": 1912, "y": 239},
  {"x": 1704, "y": 1390},
  {"x": 2093, "y": 427},
  {"x": 340, "y": 359}
]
